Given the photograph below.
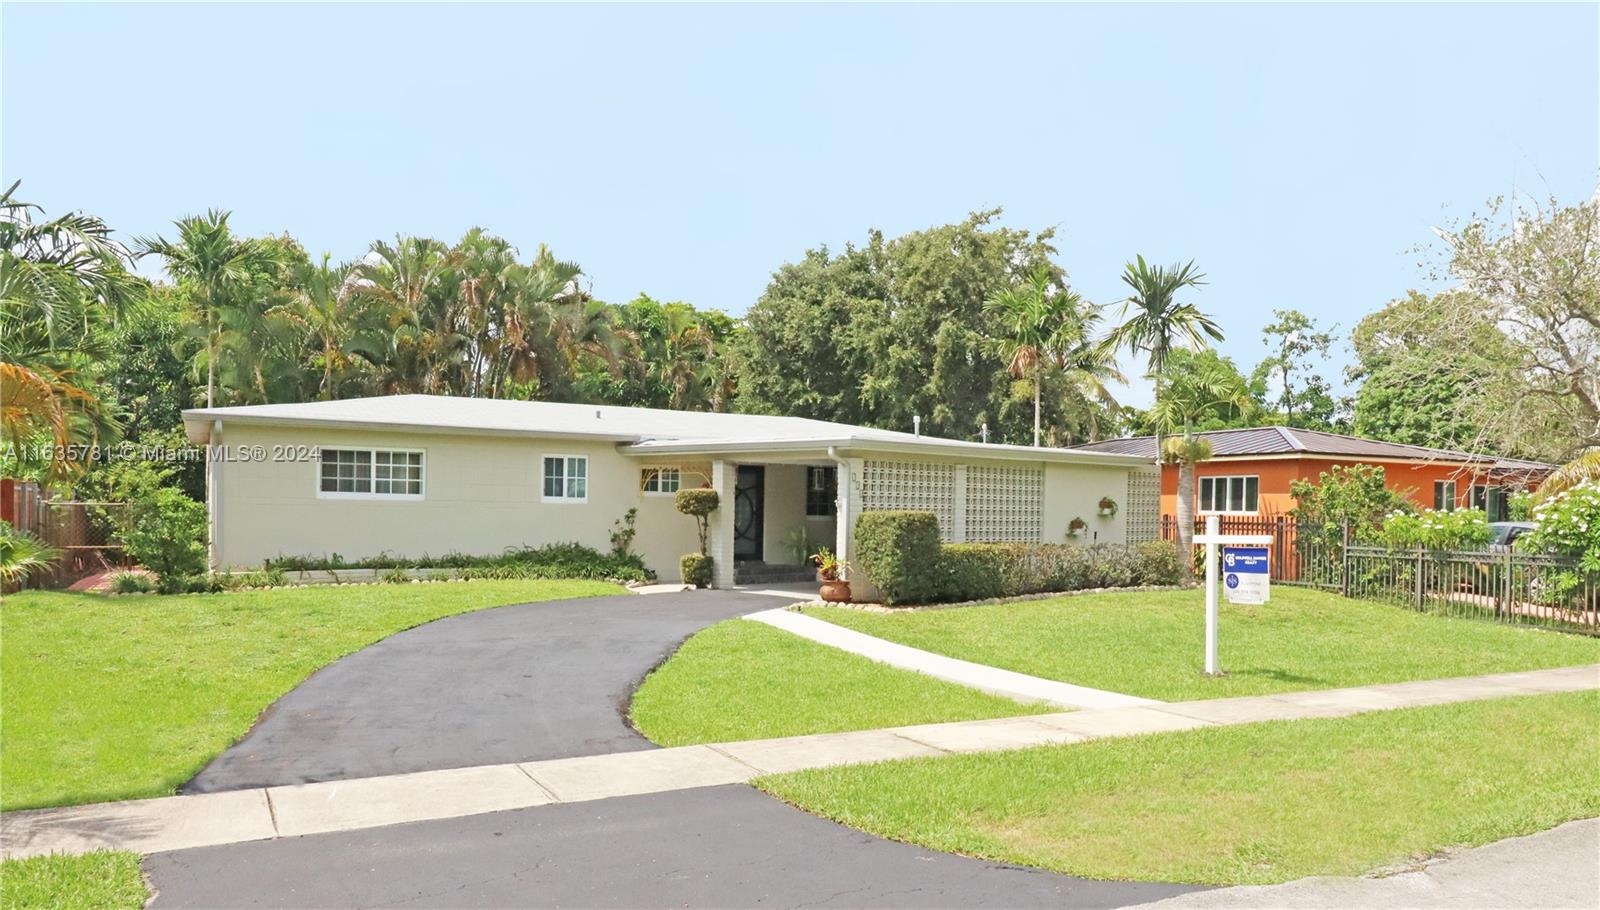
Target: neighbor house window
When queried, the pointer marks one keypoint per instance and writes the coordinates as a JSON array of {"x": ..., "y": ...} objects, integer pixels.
[
  {"x": 1230, "y": 495},
  {"x": 1491, "y": 499},
  {"x": 1444, "y": 496},
  {"x": 822, "y": 489},
  {"x": 661, "y": 481},
  {"x": 370, "y": 474},
  {"x": 566, "y": 478}
]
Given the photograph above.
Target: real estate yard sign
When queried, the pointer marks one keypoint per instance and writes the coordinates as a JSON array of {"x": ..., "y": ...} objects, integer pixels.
[{"x": 1244, "y": 575}]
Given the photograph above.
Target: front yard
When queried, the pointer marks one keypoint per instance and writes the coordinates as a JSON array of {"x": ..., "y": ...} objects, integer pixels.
[
  {"x": 1257, "y": 803},
  {"x": 127, "y": 697},
  {"x": 742, "y": 679},
  {"x": 1149, "y": 643}
]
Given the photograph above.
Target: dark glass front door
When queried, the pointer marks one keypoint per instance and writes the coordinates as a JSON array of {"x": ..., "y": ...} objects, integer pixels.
[{"x": 748, "y": 493}]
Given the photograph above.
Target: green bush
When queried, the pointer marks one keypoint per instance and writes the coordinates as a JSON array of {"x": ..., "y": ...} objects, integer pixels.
[
  {"x": 556, "y": 560},
  {"x": 165, "y": 531},
  {"x": 131, "y": 583},
  {"x": 1462, "y": 529},
  {"x": 696, "y": 570},
  {"x": 903, "y": 549},
  {"x": 399, "y": 575},
  {"x": 899, "y": 551}
]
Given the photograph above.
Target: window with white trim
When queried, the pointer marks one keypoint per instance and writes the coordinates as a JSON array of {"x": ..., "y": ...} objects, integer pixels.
[
  {"x": 566, "y": 478},
  {"x": 662, "y": 481},
  {"x": 370, "y": 473},
  {"x": 1444, "y": 496},
  {"x": 1230, "y": 495}
]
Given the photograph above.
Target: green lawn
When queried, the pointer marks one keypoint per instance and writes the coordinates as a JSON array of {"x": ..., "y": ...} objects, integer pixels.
[
  {"x": 95, "y": 881},
  {"x": 742, "y": 679},
  {"x": 117, "y": 698},
  {"x": 1257, "y": 803},
  {"x": 1149, "y": 643}
]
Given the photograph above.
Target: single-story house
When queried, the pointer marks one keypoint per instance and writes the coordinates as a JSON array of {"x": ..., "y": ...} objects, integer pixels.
[
  {"x": 1250, "y": 471},
  {"x": 410, "y": 475}
]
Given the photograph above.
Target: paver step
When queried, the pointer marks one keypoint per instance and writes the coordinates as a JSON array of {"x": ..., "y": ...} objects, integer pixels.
[{"x": 755, "y": 573}]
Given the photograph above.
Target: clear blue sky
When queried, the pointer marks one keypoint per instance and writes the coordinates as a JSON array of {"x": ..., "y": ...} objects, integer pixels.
[{"x": 1297, "y": 152}]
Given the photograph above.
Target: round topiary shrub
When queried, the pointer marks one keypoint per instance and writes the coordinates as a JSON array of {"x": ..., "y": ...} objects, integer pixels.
[{"x": 700, "y": 503}]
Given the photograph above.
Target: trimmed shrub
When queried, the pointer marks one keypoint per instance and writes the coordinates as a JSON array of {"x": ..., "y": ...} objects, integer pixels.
[
  {"x": 556, "y": 560},
  {"x": 972, "y": 571},
  {"x": 696, "y": 569},
  {"x": 900, "y": 552},
  {"x": 700, "y": 503}
]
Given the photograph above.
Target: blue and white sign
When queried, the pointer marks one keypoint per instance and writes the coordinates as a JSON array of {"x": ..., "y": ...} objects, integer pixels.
[{"x": 1245, "y": 575}]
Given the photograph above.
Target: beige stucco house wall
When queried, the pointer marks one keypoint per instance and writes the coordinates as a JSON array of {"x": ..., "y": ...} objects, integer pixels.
[{"x": 482, "y": 482}]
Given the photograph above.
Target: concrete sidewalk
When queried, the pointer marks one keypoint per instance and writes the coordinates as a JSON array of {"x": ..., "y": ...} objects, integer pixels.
[
  {"x": 173, "y": 823},
  {"x": 1005, "y": 683},
  {"x": 1559, "y": 868}
]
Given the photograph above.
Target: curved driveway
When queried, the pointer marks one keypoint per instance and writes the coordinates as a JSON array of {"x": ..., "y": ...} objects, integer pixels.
[
  {"x": 509, "y": 684},
  {"x": 551, "y": 680}
]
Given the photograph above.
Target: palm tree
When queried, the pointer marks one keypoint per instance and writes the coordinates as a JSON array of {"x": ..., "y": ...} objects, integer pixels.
[
  {"x": 22, "y": 554},
  {"x": 217, "y": 267},
  {"x": 61, "y": 282},
  {"x": 1158, "y": 321},
  {"x": 1181, "y": 401},
  {"x": 1583, "y": 469},
  {"x": 1040, "y": 330}
]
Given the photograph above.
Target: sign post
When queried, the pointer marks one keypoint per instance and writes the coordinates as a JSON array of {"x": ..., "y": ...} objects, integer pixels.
[{"x": 1211, "y": 538}]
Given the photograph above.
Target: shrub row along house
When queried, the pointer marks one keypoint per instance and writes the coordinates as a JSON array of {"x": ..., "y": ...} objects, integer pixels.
[
  {"x": 1250, "y": 471},
  {"x": 415, "y": 475}
]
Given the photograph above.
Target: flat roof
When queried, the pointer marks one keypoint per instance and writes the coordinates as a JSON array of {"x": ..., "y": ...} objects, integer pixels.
[{"x": 641, "y": 431}]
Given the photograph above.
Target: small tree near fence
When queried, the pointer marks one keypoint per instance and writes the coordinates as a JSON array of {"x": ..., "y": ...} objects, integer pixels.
[{"x": 696, "y": 567}]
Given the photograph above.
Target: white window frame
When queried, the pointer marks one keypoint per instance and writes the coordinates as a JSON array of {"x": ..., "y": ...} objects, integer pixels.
[
  {"x": 566, "y": 476},
  {"x": 370, "y": 495},
  {"x": 1451, "y": 504},
  {"x": 1227, "y": 478},
  {"x": 656, "y": 474}
]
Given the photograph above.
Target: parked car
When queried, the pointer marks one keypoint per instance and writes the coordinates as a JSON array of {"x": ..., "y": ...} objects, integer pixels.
[{"x": 1506, "y": 534}]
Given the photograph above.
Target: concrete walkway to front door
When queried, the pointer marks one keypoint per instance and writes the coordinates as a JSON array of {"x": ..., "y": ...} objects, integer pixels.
[
  {"x": 1005, "y": 683},
  {"x": 179, "y": 822}
]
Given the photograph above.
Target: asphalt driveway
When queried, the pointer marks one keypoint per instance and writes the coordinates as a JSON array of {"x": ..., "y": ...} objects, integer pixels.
[
  {"x": 539, "y": 681},
  {"x": 518, "y": 683}
]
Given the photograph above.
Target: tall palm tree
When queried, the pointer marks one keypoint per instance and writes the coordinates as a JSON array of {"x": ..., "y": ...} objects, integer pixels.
[
  {"x": 1040, "y": 329},
  {"x": 1154, "y": 321},
  {"x": 217, "y": 267},
  {"x": 1180, "y": 402},
  {"x": 61, "y": 282}
]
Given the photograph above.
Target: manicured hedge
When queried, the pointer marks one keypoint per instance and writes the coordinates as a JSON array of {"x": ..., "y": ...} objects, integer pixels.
[
  {"x": 901, "y": 554},
  {"x": 556, "y": 560}
]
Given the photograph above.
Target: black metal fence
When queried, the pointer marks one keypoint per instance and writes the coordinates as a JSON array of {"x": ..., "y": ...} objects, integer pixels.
[{"x": 1497, "y": 583}]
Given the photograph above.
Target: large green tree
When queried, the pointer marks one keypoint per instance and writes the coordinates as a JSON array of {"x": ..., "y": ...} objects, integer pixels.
[
  {"x": 897, "y": 328},
  {"x": 1297, "y": 350}
]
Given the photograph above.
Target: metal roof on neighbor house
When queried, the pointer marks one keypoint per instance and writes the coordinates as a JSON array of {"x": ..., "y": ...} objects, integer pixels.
[
  {"x": 641, "y": 429},
  {"x": 1292, "y": 441}
]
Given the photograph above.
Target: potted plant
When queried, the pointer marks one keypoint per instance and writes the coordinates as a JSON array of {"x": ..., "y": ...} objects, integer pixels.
[
  {"x": 835, "y": 590},
  {"x": 1076, "y": 526},
  {"x": 1108, "y": 507}
]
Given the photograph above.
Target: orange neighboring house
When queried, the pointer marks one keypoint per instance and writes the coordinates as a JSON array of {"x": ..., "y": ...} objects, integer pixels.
[{"x": 1250, "y": 471}]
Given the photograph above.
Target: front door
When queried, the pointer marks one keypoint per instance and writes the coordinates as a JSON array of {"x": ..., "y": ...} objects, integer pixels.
[{"x": 748, "y": 495}]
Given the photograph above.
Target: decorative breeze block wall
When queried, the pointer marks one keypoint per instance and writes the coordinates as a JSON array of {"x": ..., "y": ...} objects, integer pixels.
[
  {"x": 912, "y": 486},
  {"x": 1005, "y": 505},
  {"x": 1143, "y": 506}
]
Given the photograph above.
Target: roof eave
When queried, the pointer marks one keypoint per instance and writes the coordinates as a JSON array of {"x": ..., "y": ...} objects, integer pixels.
[{"x": 203, "y": 417}]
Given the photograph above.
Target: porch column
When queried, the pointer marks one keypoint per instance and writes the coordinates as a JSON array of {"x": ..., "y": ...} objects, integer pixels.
[{"x": 719, "y": 543}]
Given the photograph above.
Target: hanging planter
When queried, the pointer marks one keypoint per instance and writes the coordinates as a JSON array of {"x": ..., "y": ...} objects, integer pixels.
[
  {"x": 1108, "y": 507},
  {"x": 1076, "y": 526}
]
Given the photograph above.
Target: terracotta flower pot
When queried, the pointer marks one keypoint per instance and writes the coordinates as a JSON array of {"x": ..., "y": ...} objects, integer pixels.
[{"x": 836, "y": 591}]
